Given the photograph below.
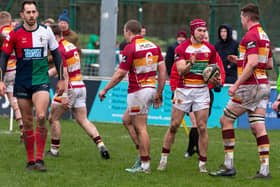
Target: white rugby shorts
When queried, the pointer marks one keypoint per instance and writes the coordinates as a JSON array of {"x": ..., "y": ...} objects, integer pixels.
[
  {"x": 77, "y": 98},
  {"x": 9, "y": 80},
  {"x": 139, "y": 102},
  {"x": 251, "y": 96},
  {"x": 191, "y": 99}
]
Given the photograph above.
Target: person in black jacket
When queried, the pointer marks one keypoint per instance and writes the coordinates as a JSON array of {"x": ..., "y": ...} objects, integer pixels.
[
  {"x": 227, "y": 46},
  {"x": 169, "y": 58}
]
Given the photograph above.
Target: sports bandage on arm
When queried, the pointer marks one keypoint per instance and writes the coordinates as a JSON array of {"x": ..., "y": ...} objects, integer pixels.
[
  {"x": 57, "y": 59},
  {"x": 3, "y": 64}
]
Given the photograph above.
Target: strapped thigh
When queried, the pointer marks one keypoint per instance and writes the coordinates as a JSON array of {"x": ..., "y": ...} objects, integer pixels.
[
  {"x": 256, "y": 118},
  {"x": 230, "y": 114}
]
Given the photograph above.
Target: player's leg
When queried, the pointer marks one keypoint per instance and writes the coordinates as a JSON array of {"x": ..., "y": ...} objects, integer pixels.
[
  {"x": 140, "y": 123},
  {"x": 57, "y": 110},
  {"x": 193, "y": 138},
  {"x": 26, "y": 106},
  {"x": 231, "y": 113},
  {"x": 201, "y": 118},
  {"x": 257, "y": 122},
  {"x": 14, "y": 104},
  {"x": 176, "y": 119},
  {"x": 127, "y": 122},
  {"x": 40, "y": 100},
  {"x": 80, "y": 115}
]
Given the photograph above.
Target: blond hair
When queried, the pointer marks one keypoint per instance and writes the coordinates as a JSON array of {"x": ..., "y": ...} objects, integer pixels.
[{"x": 5, "y": 18}]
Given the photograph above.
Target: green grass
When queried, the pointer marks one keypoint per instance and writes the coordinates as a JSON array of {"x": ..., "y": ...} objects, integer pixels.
[{"x": 80, "y": 164}]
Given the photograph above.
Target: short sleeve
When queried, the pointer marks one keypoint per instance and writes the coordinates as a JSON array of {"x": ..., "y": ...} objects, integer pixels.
[
  {"x": 9, "y": 43},
  {"x": 127, "y": 58},
  {"x": 251, "y": 44},
  {"x": 51, "y": 41}
]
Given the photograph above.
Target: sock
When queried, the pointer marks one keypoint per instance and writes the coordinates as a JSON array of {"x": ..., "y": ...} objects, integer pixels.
[
  {"x": 263, "y": 149},
  {"x": 229, "y": 142},
  {"x": 193, "y": 141},
  {"x": 55, "y": 144},
  {"x": 98, "y": 141},
  {"x": 29, "y": 144},
  {"x": 202, "y": 160},
  {"x": 41, "y": 137},
  {"x": 145, "y": 162},
  {"x": 164, "y": 154}
]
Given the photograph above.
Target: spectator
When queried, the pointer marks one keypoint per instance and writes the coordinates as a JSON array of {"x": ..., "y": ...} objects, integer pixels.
[
  {"x": 68, "y": 34},
  {"x": 92, "y": 44},
  {"x": 48, "y": 21},
  {"x": 169, "y": 59},
  {"x": 227, "y": 46}
]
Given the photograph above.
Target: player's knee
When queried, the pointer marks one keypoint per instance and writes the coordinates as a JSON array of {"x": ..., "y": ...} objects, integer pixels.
[
  {"x": 202, "y": 129},
  {"x": 41, "y": 117},
  {"x": 173, "y": 129}
]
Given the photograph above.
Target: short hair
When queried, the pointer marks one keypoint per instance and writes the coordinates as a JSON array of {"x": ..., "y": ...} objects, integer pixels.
[
  {"x": 134, "y": 26},
  {"x": 27, "y": 2},
  {"x": 252, "y": 11},
  {"x": 5, "y": 18},
  {"x": 56, "y": 29}
]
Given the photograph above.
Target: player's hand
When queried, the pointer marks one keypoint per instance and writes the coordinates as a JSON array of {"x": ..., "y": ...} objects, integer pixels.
[
  {"x": 232, "y": 58},
  {"x": 2, "y": 88},
  {"x": 232, "y": 90},
  {"x": 157, "y": 101},
  {"x": 275, "y": 106},
  {"x": 192, "y": 59},
  {"x": 216, "y": 80},
  {"x": 65, "y": 102},
  {"x": 60, "y": 87},
  {"x": 102, "y": 94}
]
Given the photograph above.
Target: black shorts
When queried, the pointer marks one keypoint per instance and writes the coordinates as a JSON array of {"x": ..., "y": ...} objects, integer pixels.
[{"x": 24, "y": 92}]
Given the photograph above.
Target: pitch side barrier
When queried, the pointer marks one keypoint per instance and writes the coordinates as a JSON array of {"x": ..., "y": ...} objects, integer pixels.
[{"x": 111, "y": 109}]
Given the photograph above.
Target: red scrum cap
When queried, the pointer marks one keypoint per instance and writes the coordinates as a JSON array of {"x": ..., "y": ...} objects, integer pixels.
[{"x": 197, "y": 23}]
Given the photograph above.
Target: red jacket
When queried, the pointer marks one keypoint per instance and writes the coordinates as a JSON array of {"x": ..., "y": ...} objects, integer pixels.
[{"x": 174, "y": 76}]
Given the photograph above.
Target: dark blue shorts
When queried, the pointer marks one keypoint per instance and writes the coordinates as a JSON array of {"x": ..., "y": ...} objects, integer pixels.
[{"x": 24, "y": 92}]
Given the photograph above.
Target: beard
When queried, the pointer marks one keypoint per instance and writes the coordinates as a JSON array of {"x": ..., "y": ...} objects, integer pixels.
[{"x": 30, "y": 22}]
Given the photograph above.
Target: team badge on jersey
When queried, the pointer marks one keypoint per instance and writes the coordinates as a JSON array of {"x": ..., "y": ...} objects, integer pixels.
[
  {"x": 124, "y": 58},
  {"x": 176, "y": 56},
  {"x": 251, "y": 44}
]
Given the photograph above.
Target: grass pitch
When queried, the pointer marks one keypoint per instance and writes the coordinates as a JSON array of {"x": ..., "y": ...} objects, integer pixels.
[{"x": 80, "y": 164}]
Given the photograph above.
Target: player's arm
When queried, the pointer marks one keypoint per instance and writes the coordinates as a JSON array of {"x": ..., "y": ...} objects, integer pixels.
[
  {"x": 57, "y": 59},
  {"x": 3, "y": 64},
  {"x": 247, "y": 72},
  {"x": 117, "y": 77},
  {"x": 249, "y": 69},
  {"x": 183, "y": 66},
  {"x": 161, "y": 83},
  {"x": 269, "y": 64}
]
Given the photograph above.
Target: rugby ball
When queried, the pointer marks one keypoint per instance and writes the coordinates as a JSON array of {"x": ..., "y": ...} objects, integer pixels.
[{"x": 212, "y": 70}]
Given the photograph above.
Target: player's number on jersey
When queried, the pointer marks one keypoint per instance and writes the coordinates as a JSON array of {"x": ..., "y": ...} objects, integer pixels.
[{"x": 149, "y": 60}]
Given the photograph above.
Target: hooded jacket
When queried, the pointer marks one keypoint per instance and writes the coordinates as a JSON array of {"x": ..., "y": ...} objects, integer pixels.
[{"x": 225, "y": 48}]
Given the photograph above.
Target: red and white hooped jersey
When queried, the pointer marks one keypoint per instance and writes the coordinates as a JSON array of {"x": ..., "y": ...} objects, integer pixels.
[
  {"x": 141, "y": 58},
  {"x": 257, "y": 42},
  {"x": 204, "y": 53},
  {"x": 11, "y": 65},
  {"x": 71, "y": 60}
]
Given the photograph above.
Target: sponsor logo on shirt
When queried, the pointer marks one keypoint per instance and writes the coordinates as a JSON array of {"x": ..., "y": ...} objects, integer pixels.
[
  {"x": 251, "y": 44},
  {"x": 33, "y": 53},
  {"x": 144, "y": 46}
]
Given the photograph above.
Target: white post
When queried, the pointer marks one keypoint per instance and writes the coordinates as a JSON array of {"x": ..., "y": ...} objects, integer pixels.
[{"x": 11, "y": 119}]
